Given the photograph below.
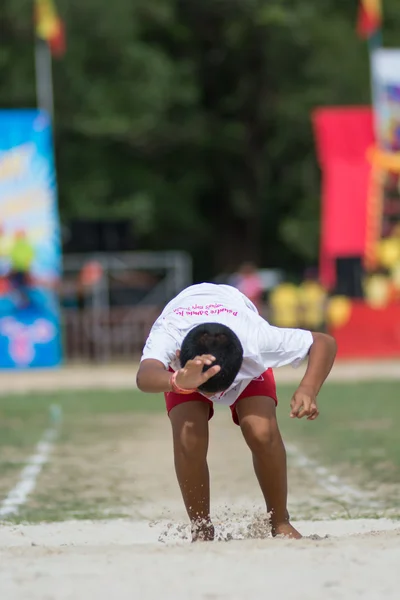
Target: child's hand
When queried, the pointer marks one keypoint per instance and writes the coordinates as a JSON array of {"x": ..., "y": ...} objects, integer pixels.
[
  {"x": 304, "y": 403},
  {"x": 191, "y": 376}
]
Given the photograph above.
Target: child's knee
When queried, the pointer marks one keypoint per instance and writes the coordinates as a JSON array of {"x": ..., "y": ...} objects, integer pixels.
[
  {"x": 261, "y": 437},
  {"x": 191, "y": 441}
]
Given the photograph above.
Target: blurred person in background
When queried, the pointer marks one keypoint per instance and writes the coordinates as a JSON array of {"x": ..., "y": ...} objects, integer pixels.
[
  {"x": 89, "y": 278},
  {"x": 5, "y": 250},
  {"x": 6, "y": 304},
  {"x": 313, "y": 301},
  {"x": 377, "y": 288},
  {"x": 284, "y": 305},
  {"x": 210, "y": 345},
  {"x": 248, "y": 281},
  {"x": 22, "y": 256}
]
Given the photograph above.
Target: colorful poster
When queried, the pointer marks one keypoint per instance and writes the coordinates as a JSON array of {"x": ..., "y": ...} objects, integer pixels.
[
  {"x": 30, "y": 252},
  {"x": 386, "y": 77}
]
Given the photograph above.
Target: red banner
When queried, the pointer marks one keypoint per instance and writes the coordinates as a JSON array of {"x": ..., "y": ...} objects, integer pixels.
[{"x": 343, "y": 136}]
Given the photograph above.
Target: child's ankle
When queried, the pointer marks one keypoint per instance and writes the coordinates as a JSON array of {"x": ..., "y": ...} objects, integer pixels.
[
  {"x": 280, "y": 518},
  {"x": 202, "y": 530}
]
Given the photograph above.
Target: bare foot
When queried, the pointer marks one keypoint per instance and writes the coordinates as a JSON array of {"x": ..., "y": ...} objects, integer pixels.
[
  {"x": 203, "y": 531},
  {"x": 286, "y": 530}
]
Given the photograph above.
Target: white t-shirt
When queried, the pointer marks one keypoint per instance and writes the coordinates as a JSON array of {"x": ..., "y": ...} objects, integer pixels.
[{"x": 264, "y": 346}]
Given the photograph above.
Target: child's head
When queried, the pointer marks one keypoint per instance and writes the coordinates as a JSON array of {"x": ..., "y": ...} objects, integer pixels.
[{"x": 221, "y": 342}]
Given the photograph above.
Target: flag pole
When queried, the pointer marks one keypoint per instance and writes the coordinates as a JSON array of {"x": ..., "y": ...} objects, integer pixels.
[{"x": 44, "y": 77}]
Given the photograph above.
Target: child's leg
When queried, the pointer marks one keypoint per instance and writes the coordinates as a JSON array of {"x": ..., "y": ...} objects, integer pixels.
[
  {"x": 257, "y": 419},
  {"x": 190, "y": 434}
]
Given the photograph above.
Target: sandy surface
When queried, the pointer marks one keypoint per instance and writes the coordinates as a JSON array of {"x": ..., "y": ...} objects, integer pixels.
[
  {"x": 149, "y": 556},
  {"x": 123, "y": 559}
]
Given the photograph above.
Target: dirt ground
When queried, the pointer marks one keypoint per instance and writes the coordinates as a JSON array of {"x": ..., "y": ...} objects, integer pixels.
[{"x": 148, "y": 556}]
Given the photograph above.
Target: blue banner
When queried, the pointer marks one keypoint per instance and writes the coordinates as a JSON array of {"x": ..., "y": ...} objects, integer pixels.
[{"x": 30, "y": 246}]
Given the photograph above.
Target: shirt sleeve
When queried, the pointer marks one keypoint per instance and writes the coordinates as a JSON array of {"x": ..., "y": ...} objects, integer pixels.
[
  {"x": 280, "y": 346},
  {"x": 160, "y": 345}
]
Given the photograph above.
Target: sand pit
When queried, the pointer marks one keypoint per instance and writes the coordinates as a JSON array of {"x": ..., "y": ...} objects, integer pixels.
[{"x": 76, "y": 560}]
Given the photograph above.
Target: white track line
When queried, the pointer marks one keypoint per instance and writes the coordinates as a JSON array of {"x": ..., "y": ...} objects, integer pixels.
[
  {"x": 328, "y": 481},
  {"x": 27, "y": 481}
]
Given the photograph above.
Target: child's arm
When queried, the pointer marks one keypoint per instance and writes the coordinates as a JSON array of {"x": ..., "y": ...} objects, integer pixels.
[
  {"x": 320, "y": 361},
  {"x": 153, "y": 377},
  {"x": 280, "y": 346}
]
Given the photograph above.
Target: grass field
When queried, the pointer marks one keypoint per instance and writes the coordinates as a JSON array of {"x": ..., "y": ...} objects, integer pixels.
[
  {"x": 357, "y": 431},
  {"x": 91, "y": 474}
]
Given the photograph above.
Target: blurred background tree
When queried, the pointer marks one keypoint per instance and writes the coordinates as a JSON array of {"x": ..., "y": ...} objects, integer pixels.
[{"x": 192, "y": 119}]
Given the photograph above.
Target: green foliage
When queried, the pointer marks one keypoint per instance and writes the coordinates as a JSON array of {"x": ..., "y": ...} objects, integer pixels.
[{"x": 193, "y": 118}]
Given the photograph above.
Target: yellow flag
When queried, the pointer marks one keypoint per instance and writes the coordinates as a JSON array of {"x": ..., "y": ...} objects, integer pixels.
[
  {"x": 47, "y": 19},
  {"x": 49, "y": 26}
]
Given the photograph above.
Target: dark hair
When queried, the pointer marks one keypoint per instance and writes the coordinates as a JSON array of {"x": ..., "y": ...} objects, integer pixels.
[{"x": 221, "y": 342}]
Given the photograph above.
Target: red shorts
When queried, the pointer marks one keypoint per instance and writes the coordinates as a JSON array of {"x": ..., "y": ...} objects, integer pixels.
[{"x": 264, "y": 385}]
